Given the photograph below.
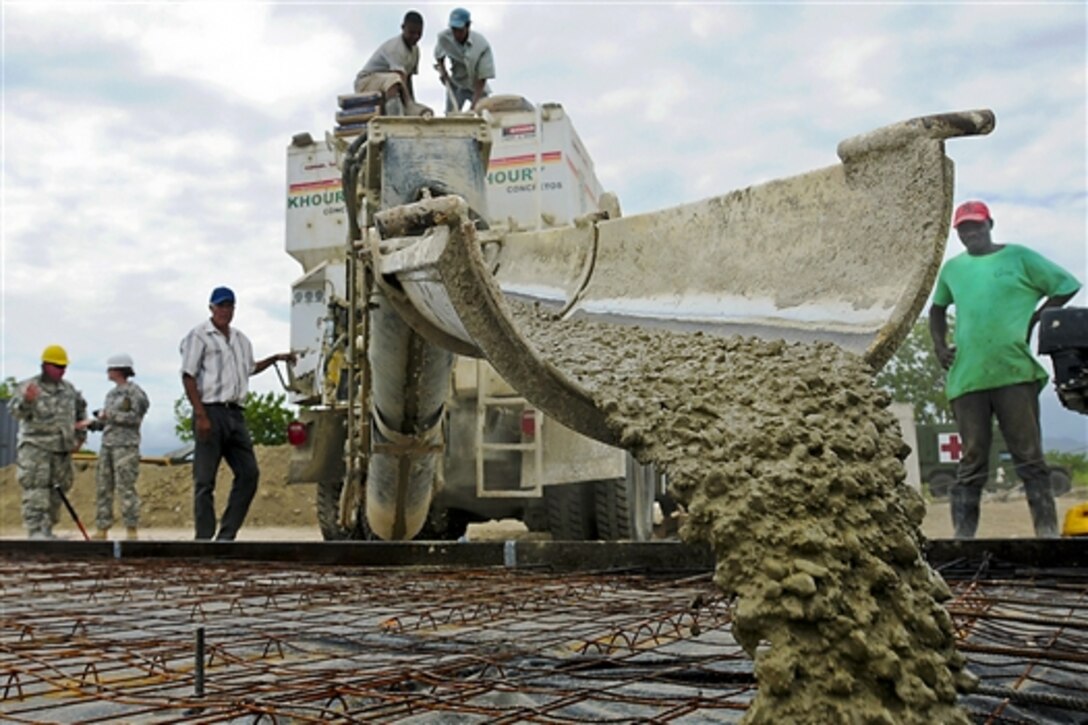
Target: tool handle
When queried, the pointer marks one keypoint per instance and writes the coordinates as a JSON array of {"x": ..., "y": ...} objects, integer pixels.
[{"x": 72, "y": 511}]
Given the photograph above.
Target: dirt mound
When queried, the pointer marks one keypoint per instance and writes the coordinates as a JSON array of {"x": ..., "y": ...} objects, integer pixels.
[{"x": 167, "y": 495}]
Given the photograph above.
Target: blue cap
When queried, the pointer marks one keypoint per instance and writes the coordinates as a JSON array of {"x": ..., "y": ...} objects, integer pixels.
[
  {"x": 459, "y": 18},
  {"x": 222, "y": 295}
]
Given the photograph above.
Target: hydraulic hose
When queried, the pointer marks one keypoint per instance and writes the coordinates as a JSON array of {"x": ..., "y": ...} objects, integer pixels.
[{"x": 349, "y": 180}]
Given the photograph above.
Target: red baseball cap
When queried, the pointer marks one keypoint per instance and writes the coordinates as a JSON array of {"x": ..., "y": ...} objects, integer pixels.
[{"x": 971, "y": 211}]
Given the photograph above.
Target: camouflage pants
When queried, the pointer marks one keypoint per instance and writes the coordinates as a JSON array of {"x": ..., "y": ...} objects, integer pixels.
[
  {"x": 38, "y": 471},
  {"x": 118, "y": 468}
]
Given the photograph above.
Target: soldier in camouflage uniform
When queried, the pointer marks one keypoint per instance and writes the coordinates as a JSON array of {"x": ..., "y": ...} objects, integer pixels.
[
  {"x": 52, "y": 421},
  {"x": 119, "y": 455}
]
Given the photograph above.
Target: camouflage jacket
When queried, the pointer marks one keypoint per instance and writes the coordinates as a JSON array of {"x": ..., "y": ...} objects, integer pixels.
[
  {"x": 124, "y": 410},
  {"x": 49, "y": 421}
]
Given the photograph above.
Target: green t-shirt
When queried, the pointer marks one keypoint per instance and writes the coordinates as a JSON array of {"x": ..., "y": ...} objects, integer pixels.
[{"x": 995, "y": 296}]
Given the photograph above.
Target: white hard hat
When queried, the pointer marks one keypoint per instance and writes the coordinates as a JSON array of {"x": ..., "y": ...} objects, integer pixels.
[{"x": 119, "y": 361}]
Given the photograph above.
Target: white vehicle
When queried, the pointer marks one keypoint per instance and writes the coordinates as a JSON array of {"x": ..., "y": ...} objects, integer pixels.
[{"x": 480, "y": 451}]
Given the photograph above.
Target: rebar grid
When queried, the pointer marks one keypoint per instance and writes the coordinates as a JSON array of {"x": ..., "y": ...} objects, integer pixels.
[
  {"x": 1029, "y": 635},
  {"x": 97, "y": 641}
]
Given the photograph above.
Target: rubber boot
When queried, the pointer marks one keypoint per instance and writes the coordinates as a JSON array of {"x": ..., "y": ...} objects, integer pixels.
[
  {"x": 131, "y": 533},
  {"x": 1044, "y": 514},
  {"x": 101, "y": 534},
  {"x": 965, "y": 510}
]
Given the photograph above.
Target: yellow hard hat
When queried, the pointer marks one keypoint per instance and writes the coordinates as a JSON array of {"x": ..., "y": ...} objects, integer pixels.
[
  {"x": 55, "y": 355},
  {"x": 1076, "y": 521}
]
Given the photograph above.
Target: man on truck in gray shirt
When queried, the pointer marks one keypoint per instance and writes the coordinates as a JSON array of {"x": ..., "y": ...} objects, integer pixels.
[{"x": 471, "y": 62}]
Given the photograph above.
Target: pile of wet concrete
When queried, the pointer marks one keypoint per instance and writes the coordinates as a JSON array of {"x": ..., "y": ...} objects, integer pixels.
[{"x": 790, "y": 466}]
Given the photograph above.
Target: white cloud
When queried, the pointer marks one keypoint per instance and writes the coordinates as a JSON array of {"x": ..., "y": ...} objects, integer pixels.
[
  {"x": 719, "y": 22},
  {"x": 848, "y": 64},
  {"x": 244, "y": 50}
]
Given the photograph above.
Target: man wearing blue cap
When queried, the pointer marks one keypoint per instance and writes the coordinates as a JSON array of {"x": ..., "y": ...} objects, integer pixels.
[
  {"x": 471, "y": 62},
  {"x": 216, "y": 362}
]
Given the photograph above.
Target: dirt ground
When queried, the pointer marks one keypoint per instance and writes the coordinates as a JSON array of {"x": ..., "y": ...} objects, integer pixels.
[
  {"x": 167, "y": 502},
  {"x": 1002, "y": 517},
  {"x": 287, "y": 513}
]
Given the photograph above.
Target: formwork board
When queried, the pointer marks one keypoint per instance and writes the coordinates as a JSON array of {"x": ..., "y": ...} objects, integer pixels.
[{"x": 665, "y": 556}]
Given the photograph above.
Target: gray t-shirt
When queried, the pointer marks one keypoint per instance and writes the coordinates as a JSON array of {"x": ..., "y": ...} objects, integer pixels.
[
  {"x": 392, "y": 55},
  {"x": 469, "y": 62}
]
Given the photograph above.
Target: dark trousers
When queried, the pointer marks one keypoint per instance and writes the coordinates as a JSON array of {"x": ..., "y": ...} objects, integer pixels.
[
  {"x": 229, "y": 440},
  {"x": 1017, "y": 410}
]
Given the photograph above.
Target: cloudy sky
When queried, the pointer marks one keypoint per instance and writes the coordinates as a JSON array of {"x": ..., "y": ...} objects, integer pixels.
[{"x": 144, "y": 143}]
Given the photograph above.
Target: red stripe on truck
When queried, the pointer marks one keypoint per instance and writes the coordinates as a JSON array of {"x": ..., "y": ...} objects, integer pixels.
[
  {"x": 307, "y": 186},
  {"x": 548, "y": 157}
]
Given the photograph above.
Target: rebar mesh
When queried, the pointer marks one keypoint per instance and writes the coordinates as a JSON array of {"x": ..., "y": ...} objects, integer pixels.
[{"x": 98, "y": 641}]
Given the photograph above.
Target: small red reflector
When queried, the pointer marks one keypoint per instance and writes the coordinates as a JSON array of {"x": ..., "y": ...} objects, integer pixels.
[
  {"x": 297, "y": 433},
  {"x": 528, "y": 423}
]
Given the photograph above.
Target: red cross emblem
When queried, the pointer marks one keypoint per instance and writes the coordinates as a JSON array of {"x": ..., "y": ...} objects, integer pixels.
[{"x": 949, "y": 447}]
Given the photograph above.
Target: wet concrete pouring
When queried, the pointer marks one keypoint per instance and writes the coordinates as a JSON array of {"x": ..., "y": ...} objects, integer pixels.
[
  {"x": 114, "y": 640},
  {"x": 790, "y": 464}
]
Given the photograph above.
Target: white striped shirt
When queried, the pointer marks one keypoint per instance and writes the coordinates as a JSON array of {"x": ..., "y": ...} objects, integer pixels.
[{"x": 221, "y": 367}]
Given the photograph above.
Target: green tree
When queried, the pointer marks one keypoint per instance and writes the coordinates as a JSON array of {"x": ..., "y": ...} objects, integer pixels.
[
  {"x": 915, "y": 376},
  {"x": 183, "y": 419},
  {"x": 7, "y": 388},
  {"x": 266, "y": 416}
]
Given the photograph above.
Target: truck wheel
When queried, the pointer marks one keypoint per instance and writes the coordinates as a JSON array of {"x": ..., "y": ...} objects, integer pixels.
[
  {"x": 1060, "y": 481},
  {"x": 625, "y": 506},
  {"x": 940, "y": 484},
  {"x": 444, "y": 524},
  {"x": 328, "y": 515},
  {"x": 570, "y": 511}
]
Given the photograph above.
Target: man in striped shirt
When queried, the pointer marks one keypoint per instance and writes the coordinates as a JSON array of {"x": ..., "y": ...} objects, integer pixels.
[{"x": 216, "y": 362}]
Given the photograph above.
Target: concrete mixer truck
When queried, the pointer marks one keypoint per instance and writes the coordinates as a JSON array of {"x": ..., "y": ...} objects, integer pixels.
[
  {"x": 478, "y": 449},
  {"x": 422, "y": 238}
]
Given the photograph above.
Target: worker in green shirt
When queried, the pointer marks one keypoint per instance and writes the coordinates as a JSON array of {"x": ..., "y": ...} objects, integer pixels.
[{"x": 996, "y": 290}]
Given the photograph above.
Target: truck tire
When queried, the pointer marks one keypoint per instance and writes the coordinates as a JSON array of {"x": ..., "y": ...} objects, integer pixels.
[
  {"x": 1060, "y": 481},
  {"x": 570, "y": 511},
  {"x": 625, "y": 506},
  {"x": 328, "y": 515},
  {"x": 444, "y": 524},
  {"x": 940, "y": 484}
]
